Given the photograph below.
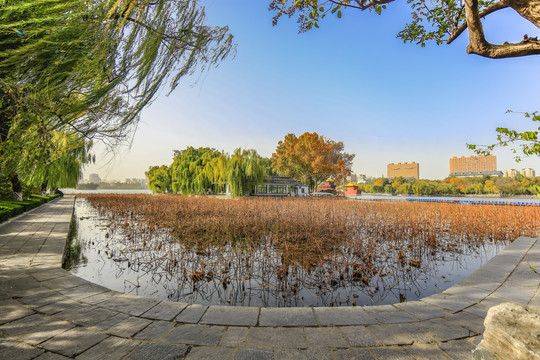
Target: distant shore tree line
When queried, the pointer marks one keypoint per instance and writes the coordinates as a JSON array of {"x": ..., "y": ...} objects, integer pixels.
[
  {"x": 486, "y": 185},
  {"x": 309, "y": 158},
  {"x": 112, "y": 185},
  {"x": 204, "y": 171}
]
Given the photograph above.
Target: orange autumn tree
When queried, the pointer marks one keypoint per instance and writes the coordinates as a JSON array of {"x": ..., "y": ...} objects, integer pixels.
[{"x": 311, "y": 158}]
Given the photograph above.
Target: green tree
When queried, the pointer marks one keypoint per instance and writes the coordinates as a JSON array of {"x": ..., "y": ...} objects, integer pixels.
[
  {"x": 195, "y": 171},
  {"x": 45, "y": 158},
  {"x": 522, "y": 143},
  {"x": 422, "y": 187},
  {"x": 446, "y": 189},
  {"x": 405, "y": 188},
  {"x": 535, "y": 189},
  {"x": 477, "y": 188},
  {"x": 216, "y": 171},
  {"x": 60, "y": 167},
  {"x": 438, "y": 21},
  {"x": 368, "y": 188},
  {"x": 96, "y": 65},
  {"x": 245, "y": 170},
  {"x": 268, "y": 166},
  {"x": 206, "y": 170},
  {"x": 159, "y": 179}
]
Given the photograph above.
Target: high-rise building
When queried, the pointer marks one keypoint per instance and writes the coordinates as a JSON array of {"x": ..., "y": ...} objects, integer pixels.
[
  {"x": 474, "y": 166},
  {"x": 406, "y": 170},
  {"x": 528, "y": 172},
  {"x": 356, "y": 178}
]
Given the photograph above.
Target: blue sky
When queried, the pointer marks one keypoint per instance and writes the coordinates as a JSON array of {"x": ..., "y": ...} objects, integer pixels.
[{"x": 351, "y": 80}]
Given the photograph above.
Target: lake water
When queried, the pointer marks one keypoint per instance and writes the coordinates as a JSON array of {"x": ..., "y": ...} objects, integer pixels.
[
  {"x": 69, "y": 191},
  {"x": 465, "y": 199},
  {"x": 104, "y": 260}
]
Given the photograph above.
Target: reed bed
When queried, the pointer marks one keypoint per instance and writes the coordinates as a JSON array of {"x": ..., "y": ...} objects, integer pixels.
[{"x": 287, "y": 252}]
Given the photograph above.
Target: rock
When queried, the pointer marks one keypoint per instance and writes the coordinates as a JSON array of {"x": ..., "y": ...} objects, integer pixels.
[
  {"x": 512, "y": 332},
  {"x": 481, "y": 353}
]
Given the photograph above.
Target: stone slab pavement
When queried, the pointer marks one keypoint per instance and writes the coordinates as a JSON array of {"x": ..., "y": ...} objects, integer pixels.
[{"x": 48, "y": 313}]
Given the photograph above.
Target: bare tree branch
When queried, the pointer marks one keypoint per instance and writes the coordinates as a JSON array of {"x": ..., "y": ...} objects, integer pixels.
[
  {"x": 362, "y": 4},
  {"x": 530, "y": 46},
  {"x": 480, "y": 46}
]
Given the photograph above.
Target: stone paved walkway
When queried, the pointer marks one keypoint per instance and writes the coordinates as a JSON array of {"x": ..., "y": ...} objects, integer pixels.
[{"x": 47, "y": 313}]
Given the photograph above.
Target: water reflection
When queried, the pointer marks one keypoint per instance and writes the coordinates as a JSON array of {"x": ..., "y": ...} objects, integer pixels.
[{"x": 74, "y": 256}]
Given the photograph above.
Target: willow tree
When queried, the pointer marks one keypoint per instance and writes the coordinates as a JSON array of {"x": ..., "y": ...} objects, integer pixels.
[
  {"x": 46, "y": 159},
  {"x": 63, "y": 166},
  {"x": 205, "y": 170},
  {"x": 216, "y": 172},
  {"x": 93, "y": 66},
  {"x": 245, "y": 170},
  {"x": 196, "y": 171},
  {"x": 159, "y": 179}
]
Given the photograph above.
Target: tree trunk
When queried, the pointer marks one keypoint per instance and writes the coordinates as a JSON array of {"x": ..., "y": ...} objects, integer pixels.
[
  {"x": 44, "y": 188},
  {"x": 7, "y": 112},
  {"x": 16, "y": 186},
  {"x": 528, "y": 9}
]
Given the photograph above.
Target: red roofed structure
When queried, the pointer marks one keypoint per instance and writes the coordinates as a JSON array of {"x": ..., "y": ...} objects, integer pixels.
[
  {"x": 327, "y": 185},
  {"x": 351, "y": 189}
]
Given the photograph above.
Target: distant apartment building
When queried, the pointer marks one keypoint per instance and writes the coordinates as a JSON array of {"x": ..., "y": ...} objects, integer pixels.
[
  {"x": 94, "y": 178},
  {"x": 528, "y": 172},
  {"x": 356, "y": 178},
  {"x": 511, "y": 173},
  {"x": 362, "y": 179},
  {"x": 474, "y": 166},
  {"x": 406, "y": 170}
]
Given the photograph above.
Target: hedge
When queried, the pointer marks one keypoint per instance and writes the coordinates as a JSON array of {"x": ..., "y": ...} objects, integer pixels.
[{"x": 10, "y": 208}]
